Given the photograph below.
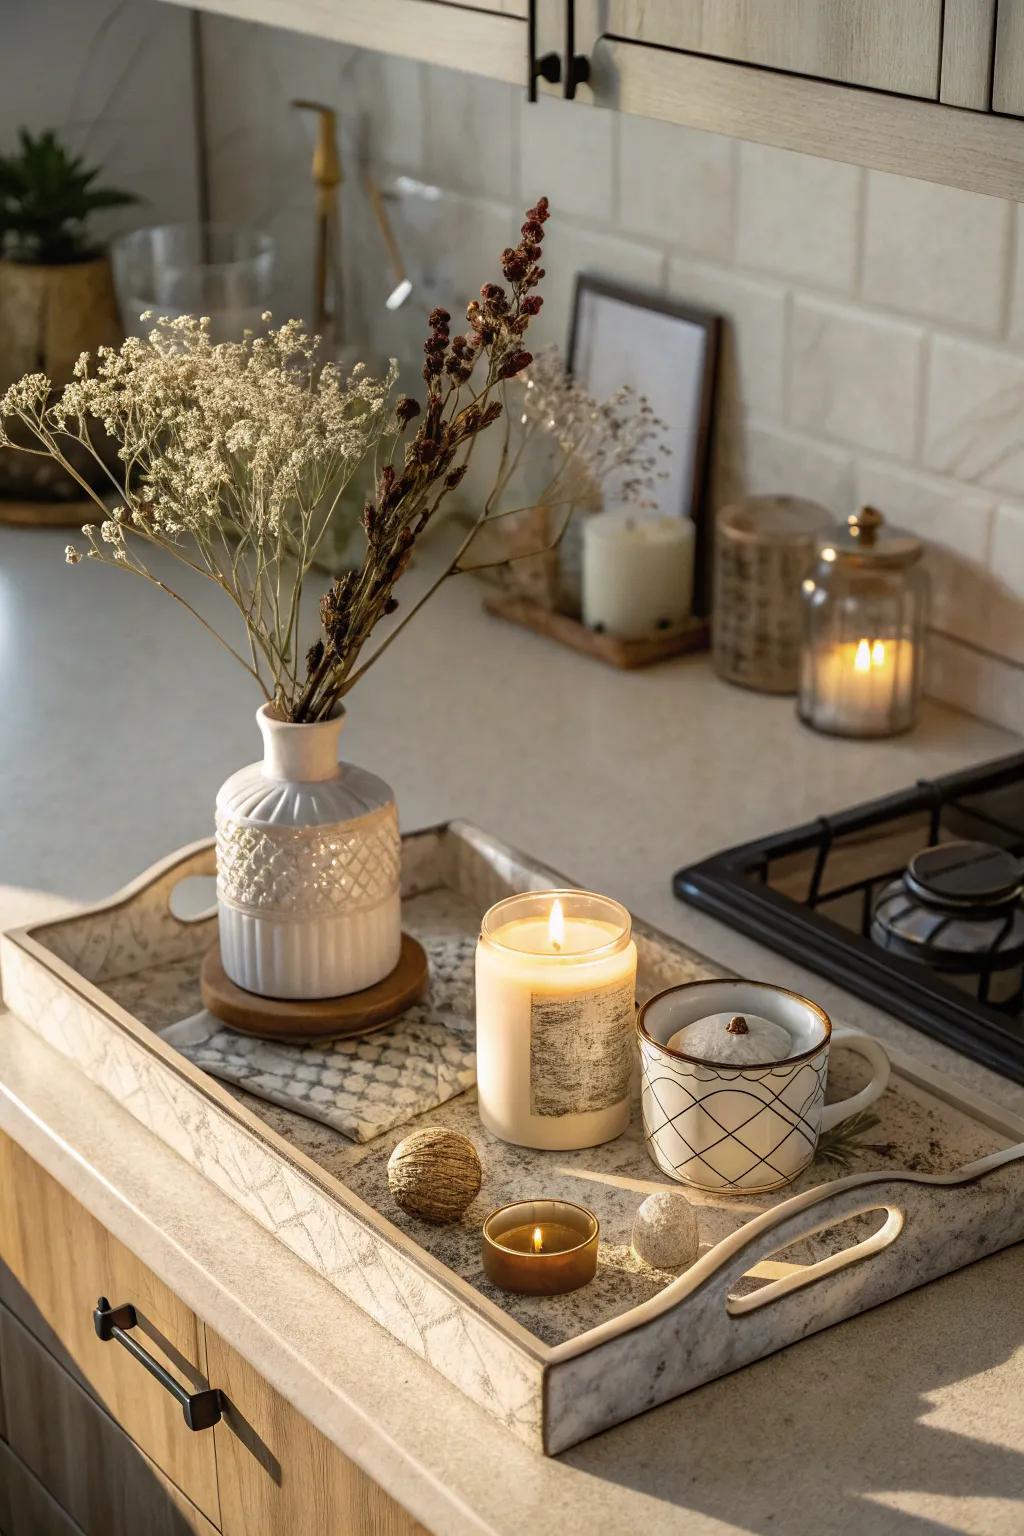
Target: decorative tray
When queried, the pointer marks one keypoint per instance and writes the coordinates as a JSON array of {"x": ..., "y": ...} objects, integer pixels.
[{"x": 941, "y": 1186}]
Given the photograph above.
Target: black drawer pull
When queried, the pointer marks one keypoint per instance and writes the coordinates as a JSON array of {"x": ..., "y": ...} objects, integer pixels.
[{"x": 202, "y": 1410}]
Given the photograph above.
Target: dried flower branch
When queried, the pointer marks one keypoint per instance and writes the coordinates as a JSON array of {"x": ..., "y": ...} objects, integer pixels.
[
  {"x": 234, "y": 456},
  {"x": 618, "y": 442}
]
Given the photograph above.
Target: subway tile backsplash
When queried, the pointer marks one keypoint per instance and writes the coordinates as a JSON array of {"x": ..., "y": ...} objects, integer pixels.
[{"x": 875, "y": 326}]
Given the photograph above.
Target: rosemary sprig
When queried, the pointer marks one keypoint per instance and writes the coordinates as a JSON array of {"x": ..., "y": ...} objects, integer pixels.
[{"x": 843, "y": 1144}]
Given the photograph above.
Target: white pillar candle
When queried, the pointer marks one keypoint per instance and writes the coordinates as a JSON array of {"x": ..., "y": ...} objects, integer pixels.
[
  {"x": 637, "y": 574},
  {"x": 861, "y": 687},
  {"x": 555, "y": 1016}
]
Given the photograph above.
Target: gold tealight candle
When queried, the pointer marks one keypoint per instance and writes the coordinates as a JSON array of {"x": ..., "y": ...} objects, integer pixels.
[{"x": 540, "y": 1247}]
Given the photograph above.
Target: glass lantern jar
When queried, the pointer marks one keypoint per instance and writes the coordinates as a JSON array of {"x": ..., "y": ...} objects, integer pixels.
[{"x": 864, "y": 609}]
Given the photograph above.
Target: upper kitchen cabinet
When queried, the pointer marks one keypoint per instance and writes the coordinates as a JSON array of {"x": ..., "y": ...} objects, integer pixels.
[
  {"x": 892, "y": 47},
  {"x": 926, "y": 88},
  {"x": 485, "y": 37},
  {"x": 1008, "y": 70},
  {"x": 898, "y": 85}
]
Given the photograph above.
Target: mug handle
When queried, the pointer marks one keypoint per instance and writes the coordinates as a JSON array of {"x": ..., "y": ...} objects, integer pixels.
[{"x": 874, "y": 1055}]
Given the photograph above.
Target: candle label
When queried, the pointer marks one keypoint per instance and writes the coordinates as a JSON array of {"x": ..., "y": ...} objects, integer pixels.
[{"x": 581, "y": 1050}]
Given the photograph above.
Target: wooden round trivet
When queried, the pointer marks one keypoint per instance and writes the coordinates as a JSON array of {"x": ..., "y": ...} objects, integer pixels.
[{"x": 329, "y": 1018}]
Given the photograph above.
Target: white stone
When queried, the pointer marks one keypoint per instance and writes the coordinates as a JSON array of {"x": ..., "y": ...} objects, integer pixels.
[{"x": 665, "y": 1231}]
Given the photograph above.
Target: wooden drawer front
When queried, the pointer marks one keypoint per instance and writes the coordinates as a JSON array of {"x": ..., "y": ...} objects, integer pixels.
[
  {"x": 92, "y": 1469},
  {"x": 891, "y": 46},
  {"x": 56, "y": 1262},
  {"x": 26, "y": 1509},
  {"x": 279, "y": 1476}
]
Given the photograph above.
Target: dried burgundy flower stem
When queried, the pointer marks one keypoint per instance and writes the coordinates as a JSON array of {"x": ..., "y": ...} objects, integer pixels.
[
  {"x": 234, "y": 456},
  {"x": 432, "y": 463}
]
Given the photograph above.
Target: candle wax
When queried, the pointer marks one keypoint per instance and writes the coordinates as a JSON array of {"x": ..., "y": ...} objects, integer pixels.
[
  {"x": 532, "y": 936},
  {"x": 637, "y": 574},
  {"x": 860, "y": 684},
  {"x": 555, "y": 1237},
  {"x": 554, "y": 1030}
]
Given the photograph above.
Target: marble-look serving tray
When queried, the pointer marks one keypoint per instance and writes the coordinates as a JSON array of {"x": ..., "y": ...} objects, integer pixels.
[{"x": 941, "y": 1185}]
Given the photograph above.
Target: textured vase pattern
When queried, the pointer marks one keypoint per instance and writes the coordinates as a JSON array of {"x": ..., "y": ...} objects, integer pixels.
[{"x": 308, "y": 869}]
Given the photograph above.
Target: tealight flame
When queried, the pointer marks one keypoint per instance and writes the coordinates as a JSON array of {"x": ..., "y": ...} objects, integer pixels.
[
  {"x": 556, "y": 926},
  {"x": 538, "y": 1240}
]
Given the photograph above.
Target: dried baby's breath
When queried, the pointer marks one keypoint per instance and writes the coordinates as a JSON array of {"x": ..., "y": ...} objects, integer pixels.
[
  {"x": 232, "y": 457},
  {"x": 618, "y": 442}
]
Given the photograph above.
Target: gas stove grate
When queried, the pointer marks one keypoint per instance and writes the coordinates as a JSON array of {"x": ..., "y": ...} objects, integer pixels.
[{"x": 808, "y": 893}]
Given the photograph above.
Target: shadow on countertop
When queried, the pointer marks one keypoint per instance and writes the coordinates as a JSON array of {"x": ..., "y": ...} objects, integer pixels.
[{"x": 859, "y": 1430}]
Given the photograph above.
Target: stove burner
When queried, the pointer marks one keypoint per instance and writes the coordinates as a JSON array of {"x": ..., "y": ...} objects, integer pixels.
[
  {"x": 955, "y": 909},
  {"x": 964, "y": 875},
  {"x": 939, "y": 941}
]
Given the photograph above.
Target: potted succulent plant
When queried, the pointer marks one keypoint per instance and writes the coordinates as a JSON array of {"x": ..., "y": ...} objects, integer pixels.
[
  {"x": 56, "y": 290},
  {"x": 232, "y": 458}
]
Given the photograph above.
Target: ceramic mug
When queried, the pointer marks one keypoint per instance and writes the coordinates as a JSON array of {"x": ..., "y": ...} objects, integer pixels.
[{"x": 736, "y": 1128}]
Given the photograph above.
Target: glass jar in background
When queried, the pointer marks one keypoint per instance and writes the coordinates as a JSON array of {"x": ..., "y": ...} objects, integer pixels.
[
  {"x": 222, "y": 270},
  {"x": 864, "y": 610}
]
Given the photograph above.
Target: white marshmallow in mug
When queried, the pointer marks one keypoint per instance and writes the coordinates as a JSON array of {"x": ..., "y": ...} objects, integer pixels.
[{"x": 743, "y": 1039}]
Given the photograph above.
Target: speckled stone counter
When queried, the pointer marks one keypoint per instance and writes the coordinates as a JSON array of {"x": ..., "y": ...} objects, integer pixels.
[{"x": 907, "y": 1420}]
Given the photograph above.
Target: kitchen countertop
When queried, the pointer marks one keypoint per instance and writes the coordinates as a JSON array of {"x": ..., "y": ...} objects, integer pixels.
[{"x": 122, "y": 720}]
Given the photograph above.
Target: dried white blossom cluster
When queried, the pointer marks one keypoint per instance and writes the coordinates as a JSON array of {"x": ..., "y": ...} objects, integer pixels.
[
  {"x": 617, "y": 443},
  {"x": 233, "y": 456}
]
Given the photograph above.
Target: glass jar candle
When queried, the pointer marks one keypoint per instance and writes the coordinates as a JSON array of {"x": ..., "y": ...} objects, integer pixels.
[
  {"x": 864, "y": 610},
  {"x": 540, "y": 1247},
  {"x": 555, "y": 1017}
]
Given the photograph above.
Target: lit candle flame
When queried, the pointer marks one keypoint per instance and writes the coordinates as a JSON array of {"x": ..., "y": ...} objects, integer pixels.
[
  {"x": 878, "y": 654},
  {"x": 556, "y": 926},
  {"x": 862, "y": 660},
  {"x": 538, "y": 1240}
]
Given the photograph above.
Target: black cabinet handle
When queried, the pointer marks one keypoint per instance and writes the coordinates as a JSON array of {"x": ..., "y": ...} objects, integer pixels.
[
  {"x": 549, "y": 67},
  {"x": 202, "y": 1410},
  {"x": 577, "y": 65}
]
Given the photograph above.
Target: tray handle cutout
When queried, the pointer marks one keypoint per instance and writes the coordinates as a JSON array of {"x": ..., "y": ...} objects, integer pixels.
[
  {"x": 193, "y": 898},
  {"x": 888, "y": 1232}
]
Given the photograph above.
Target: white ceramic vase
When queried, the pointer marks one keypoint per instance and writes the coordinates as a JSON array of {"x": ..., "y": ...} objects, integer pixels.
[{"x": 308, "y": 857}]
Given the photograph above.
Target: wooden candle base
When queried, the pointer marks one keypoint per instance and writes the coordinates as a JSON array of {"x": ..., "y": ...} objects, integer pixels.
[
  {"x": 608, "y": 648},
  {"x": 329, "y": 1018}
]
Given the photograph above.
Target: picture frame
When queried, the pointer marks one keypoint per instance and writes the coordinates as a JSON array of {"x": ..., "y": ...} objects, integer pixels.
[{"x": 667, "y": 351}]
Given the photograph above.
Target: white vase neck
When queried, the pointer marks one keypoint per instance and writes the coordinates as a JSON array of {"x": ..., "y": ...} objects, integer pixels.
[{"x": 303, "y": 754}]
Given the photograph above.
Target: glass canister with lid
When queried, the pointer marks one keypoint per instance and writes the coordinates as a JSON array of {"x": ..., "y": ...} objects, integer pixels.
[
  {"x": 865, "y": 610},
  {"x": 763, "y": 546}
]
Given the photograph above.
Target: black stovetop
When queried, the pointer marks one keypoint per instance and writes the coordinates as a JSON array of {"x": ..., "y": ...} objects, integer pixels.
[{"x": 808, "y": 893}]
